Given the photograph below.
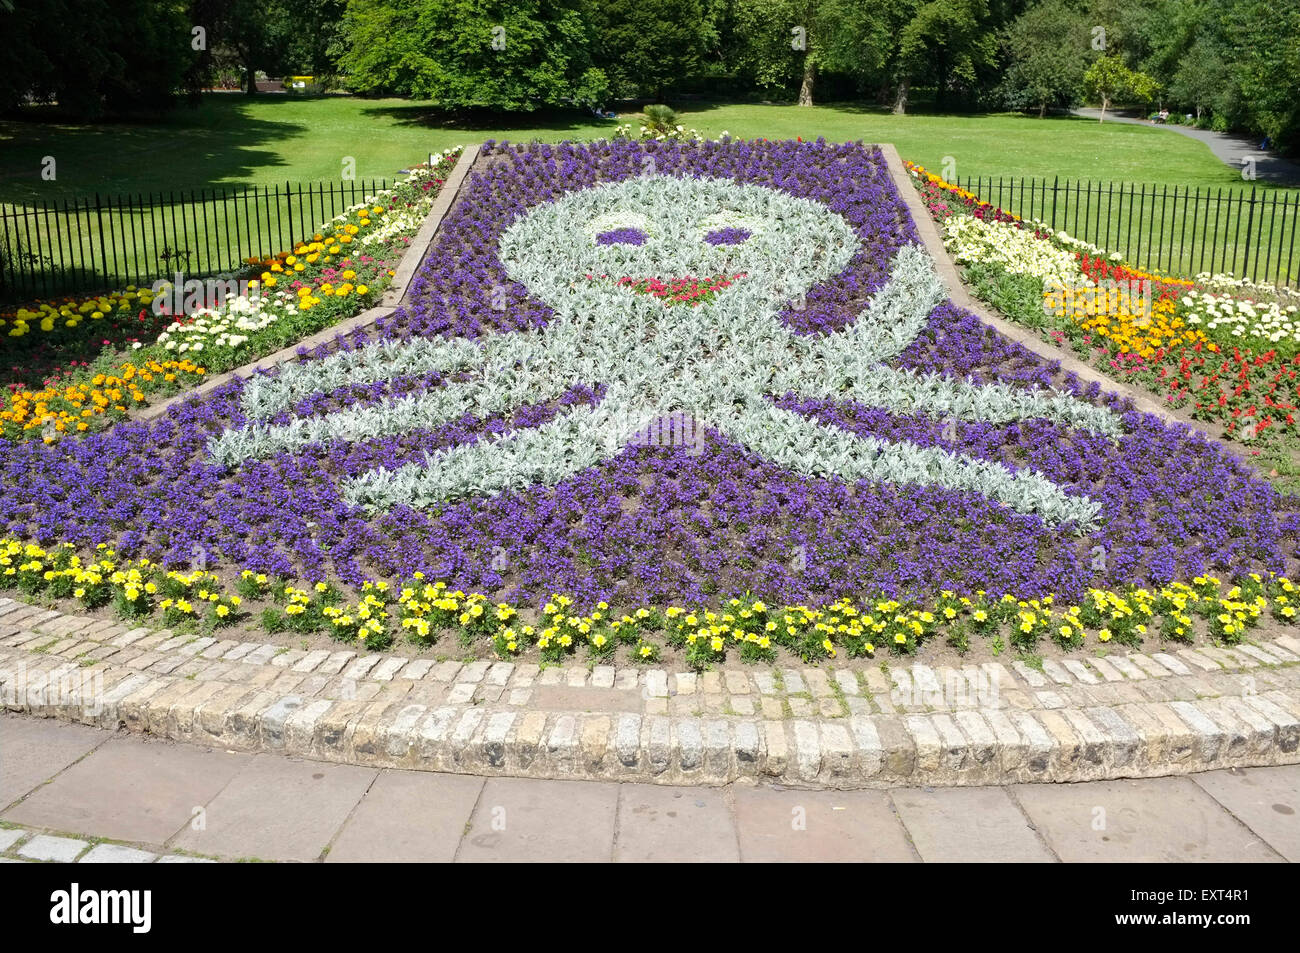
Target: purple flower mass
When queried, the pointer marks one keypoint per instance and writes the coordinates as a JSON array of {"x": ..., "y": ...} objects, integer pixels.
[
  {"x": 664, "y": 524},
  {"x": 621, "y": 236},
  {"x": 727, "y": 236}
]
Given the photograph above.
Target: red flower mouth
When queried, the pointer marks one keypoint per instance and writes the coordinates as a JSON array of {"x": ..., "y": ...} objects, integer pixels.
[{"x": 686, "y": 290}]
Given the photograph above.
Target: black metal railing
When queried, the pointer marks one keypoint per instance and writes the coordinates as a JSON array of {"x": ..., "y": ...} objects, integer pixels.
[
  {"x": 106, "y": 243},
  {"x": 102, "y": 243},
  {"x": 1177, "y": 230}
]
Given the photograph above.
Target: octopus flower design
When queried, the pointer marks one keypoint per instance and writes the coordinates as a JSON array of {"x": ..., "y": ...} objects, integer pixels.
[{"x": 714, "y": 363}]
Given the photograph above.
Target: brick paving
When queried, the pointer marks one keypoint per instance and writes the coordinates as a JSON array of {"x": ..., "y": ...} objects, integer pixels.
[
  {"x": 1173, "y": 711},
  {"x": 90, "y": 795}
]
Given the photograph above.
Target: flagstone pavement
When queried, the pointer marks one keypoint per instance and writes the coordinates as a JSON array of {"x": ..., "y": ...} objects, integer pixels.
[{"x": 76, "y": 793}]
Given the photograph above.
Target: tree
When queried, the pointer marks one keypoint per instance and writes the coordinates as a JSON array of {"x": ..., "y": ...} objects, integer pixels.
[
  {"x": 1165, "y": 32},
  {"x": 1265, "y": 37},
  {"x": 1126, "y": 27},
  {"x": 1108, "y": 79},
  {"x": 787, "y": 43},
  {"x": 520, "y": 55},
  {"x": 1047, "y": 49},
  {"x": 781, "y": 43},
  {"x": 862, "y": 38},
  {"x": 651, "y": 44},
  {"x": 1145, "y": 88},
  {"x": 94, "y": 57},
  {"x": 245, "y": 36},
  {"x": 947, "y": 40}
]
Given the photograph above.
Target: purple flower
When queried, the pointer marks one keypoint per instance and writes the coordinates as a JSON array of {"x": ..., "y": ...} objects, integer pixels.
[
  {"x": 665, "y": 524},
  {"x": 621, "y": 236},
  {"x": 727, "y": 236}
]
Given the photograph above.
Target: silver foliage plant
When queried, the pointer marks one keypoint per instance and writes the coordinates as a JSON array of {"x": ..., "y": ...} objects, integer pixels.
[{"x": 715, "y": 363}]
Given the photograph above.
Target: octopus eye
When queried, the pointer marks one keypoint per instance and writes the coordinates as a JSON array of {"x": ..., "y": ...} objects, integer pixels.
[
  {"x": 727, "y": 236},
  {"x": 621, "y": 236}
]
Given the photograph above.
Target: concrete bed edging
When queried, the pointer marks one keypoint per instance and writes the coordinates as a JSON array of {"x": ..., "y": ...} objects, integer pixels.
[
  {"x": 395, "y": 294},
  {"x": 1119, "y": 716}
]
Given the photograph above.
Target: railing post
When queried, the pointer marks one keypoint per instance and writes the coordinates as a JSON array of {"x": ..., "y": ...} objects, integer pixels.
[
  {"x": 103, "y": 255},
  {"x": 1250, "y": 222}
]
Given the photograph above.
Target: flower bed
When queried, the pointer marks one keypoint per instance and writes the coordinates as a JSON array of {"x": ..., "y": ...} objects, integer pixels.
[
  {"x": 840, "y": 432},
  {"x": 337, "y": 272},
  {"x": 1223, "y": 348},
  {"x": 422, "y": 612},
  {"x": 83, "y": 403}
]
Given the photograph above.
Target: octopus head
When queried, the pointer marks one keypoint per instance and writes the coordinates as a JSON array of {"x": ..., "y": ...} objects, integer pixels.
[{"x": 665, "y": 240}]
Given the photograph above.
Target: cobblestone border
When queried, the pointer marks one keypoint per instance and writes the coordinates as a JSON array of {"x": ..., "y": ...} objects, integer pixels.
[
  {"x": 1086, "y": 718},
  {"x": 394, "y": 294}
]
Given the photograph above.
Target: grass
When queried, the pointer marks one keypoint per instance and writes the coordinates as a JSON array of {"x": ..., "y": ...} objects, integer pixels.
[{"x": 230, "y": 140}]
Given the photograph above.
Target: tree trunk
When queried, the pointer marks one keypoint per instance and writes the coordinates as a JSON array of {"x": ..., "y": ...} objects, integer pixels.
[
  {"x": 806, "y": 86},
  {"x": 900, "y": 98},
  {"x": 1198, "y": 113},
  {"x": 1042, "y": 110},
  {"x": 251, "y": 74},
  {"x": 1105, "y": 103}
]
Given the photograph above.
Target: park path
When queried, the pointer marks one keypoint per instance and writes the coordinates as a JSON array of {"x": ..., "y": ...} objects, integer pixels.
[
  {"x": 1232, "y": 150},
  {"x": 75, "y": 793}
]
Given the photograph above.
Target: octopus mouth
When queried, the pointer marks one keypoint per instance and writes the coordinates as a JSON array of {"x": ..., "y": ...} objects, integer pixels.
[{"x": 686, "y": 290}]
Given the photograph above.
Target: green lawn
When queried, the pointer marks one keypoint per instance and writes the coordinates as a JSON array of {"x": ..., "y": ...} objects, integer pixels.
[{"x": 230, "y": 140}]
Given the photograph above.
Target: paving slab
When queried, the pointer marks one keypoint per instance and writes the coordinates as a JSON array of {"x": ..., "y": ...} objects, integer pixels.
[
  {"x": 780, "y": 824},
  {"x": 1156, "y": 820},
  {"x": 1267, "y": 800},
  {"x": 968, "y": 825},
  {"x": 117, "y": 854},
  {"x": 62, "y": 850},
  {"x": 675, "y": 825},
  {"x": 248, "y": 819},
  {"x": 130, "y": 788},
  {"x": 33, "y": 750},
  {"x": 408, "y": 817},
  {"x": 520, "y": 819}
]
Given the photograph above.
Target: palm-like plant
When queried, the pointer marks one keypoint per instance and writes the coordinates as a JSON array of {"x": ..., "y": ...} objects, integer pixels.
[{"x": 661, "y": 120}]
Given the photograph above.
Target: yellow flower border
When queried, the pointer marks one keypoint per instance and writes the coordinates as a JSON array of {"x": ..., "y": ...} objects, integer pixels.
[{"x": 421, "y": 609}]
